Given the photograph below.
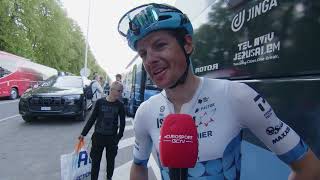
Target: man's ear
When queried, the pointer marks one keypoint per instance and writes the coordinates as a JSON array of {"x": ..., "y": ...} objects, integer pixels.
[{"x": 188, "y": 47}]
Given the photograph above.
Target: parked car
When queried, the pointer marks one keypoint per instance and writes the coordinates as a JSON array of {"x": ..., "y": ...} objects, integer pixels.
[{"x": 57, "y": 96}]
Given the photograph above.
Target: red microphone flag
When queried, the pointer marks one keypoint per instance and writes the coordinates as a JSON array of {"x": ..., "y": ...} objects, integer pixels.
[{"x": 178, "y": 141}]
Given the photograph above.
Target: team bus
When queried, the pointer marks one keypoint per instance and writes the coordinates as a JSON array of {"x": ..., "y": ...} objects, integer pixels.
[
  {"x": 138, "y": 87},
  {"x": 272, "y": 45},
  {"x": 17, "y": 74}
]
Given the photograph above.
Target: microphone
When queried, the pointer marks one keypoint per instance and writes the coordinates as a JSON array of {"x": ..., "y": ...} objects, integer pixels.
[{"x": 178, "y": 145}]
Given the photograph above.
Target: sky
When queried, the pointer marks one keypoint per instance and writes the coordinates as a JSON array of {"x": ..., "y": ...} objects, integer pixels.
[{"x": 109, "y": 48}]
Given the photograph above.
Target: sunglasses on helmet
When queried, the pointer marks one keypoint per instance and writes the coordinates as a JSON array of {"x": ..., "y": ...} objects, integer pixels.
[{"x": 142, "y": 17}]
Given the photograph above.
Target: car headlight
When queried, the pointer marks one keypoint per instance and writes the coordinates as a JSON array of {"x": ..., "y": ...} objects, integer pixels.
[{"x": 71, "y": 99}]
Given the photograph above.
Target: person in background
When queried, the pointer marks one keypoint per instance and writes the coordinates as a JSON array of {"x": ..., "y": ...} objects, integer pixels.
[
  {"x": 106, "y": 88},
  {"x": 1, "y": 72},
  {"x": 118, "y": 77},
  {"x": 107, "y": 134},
  {"x": 162, "y": 36},
  {"x": 96, "y": 89},
  {"x": 101, "y": 81}
]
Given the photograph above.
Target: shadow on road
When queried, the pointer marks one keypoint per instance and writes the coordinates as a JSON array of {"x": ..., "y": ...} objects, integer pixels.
[{"x": 52, "y": 121}]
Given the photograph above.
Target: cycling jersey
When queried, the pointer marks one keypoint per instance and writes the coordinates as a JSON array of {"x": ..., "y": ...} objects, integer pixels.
[{"x": 221, "y": 109}]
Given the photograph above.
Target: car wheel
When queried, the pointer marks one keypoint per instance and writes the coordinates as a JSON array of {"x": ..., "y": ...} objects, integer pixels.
[
  {"x": 27, "y": 118},
  {"x": 13, "y": 93},
  {"x": 82, "y": 116}
]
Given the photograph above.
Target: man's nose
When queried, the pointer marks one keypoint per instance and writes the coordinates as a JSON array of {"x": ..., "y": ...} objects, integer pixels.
[{"x": 151, "y": 58}]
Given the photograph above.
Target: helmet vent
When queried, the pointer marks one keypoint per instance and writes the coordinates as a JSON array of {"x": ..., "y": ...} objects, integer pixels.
[{"x": 164, "y": 17}]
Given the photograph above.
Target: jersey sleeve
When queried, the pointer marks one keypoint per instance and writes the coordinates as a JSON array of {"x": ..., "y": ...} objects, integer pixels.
[
  {"x": 255, "y": 113},
  {"x": 143, "y": 143}
]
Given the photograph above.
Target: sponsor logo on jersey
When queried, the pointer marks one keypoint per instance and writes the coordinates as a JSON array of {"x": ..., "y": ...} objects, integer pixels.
[
  {"x": 159, "y": 122},
  {"x": 260, "y": 101},
  {"x": 205, "y": 134},
  {"x": 205, "y": 123},
  {"x": 262, "y": 104},
  {"x": 274, "y": 130},
  {"x": 204, "y": 114},
  {"x": 206, "y": 106},
  {"x": 136, "y": 145},
  {"x": 282, "y": 136},
  {"x": 160, "y": 118},
  {"x": 268, "y": 114},
  {"x": 162, "y": 108}
]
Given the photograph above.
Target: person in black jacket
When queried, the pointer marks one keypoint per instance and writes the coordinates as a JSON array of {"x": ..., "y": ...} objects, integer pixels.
[{"x": 106, "y": 114}]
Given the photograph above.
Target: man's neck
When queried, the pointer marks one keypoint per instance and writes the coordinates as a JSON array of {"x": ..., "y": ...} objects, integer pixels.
[
  {"x": 183, "y": 93},
  {"x": 111, "y": 99}
]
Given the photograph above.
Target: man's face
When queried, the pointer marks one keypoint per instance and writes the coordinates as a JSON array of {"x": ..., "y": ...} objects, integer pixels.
[
  {"x": 116, "y": 91},
  {"x": 163, "y": 58}
]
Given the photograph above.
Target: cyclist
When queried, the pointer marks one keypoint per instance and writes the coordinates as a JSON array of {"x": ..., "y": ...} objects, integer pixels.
[{"x": 162, "y": 36}]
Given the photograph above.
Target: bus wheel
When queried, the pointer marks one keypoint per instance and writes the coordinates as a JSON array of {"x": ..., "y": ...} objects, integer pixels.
[
  {"x": 13, "y": 93},
  {"x": 27, "y": 118}
]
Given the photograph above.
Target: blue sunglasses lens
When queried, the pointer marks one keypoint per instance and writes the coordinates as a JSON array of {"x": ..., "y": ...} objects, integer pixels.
[{"x": 142, "y": 17}]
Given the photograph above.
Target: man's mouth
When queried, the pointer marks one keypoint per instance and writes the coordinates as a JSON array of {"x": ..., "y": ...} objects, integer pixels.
[{"x": 158, "y": 71}]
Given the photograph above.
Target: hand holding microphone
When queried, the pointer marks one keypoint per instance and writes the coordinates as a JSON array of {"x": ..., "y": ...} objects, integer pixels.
[{"x": 178, "y": 145}]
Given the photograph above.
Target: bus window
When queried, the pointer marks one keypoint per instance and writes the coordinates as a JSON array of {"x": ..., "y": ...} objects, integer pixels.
[
  {"x": 255, "y": 39},
  {"x": 4, "y": 72},
  {"x": 271, "y": 45}
]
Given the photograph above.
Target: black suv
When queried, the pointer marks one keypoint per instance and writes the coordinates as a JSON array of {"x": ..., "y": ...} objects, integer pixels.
[{"x": 57, "y": 96}]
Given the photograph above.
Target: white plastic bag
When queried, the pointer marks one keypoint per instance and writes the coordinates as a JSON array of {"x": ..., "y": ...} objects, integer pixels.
[{"x": 76, "y": 165}]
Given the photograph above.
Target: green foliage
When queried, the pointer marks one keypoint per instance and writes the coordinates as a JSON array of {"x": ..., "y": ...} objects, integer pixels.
[{"x": 41, "y": 31}]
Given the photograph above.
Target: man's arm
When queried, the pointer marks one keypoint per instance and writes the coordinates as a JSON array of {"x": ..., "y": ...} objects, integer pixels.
[
  {"x": 122, "y": 115},
  {"x": 138, "y": 172},
  {"x": 91, "y": 120},
  {"x": 142, "y": 144},
  {"x": 99, "y": 88},
  {"x": 306, "y": 168},
  {"x": 256, "y": 114}
]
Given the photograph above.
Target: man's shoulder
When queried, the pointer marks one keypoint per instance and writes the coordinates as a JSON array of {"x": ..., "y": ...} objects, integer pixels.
[
  {"x": 158, "y": 98},
  {"x": 119, "y": 102},
  {"x": 101, "y": 100},
  {"x": 232, "y": 89},
  {"x": 222, "y": 83},
  {"x": 216, "y": 85},
  {"x": 93, "y": 82},
  {"x": 151, "y": 103},
  {"x": 211, "y": 81}
]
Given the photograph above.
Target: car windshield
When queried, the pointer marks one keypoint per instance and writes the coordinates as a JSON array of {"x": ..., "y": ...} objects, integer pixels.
[
  {"x": 63, "y": 82},
  {"x": 68, "y": 82}
]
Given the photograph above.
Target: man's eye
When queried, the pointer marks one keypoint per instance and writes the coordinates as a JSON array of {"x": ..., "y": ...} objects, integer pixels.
[
  {"x": 160, "y": 45},
  {"x": 142, "y": 54}
]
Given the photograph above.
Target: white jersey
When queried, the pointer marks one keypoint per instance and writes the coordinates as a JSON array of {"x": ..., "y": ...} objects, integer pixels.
[
  {"x": 96, "y": 90},
  {"x": 221, "y": 109}
]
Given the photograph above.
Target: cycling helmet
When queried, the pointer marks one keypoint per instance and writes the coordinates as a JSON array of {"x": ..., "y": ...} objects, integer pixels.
[{"x": 140, "y": 21}]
